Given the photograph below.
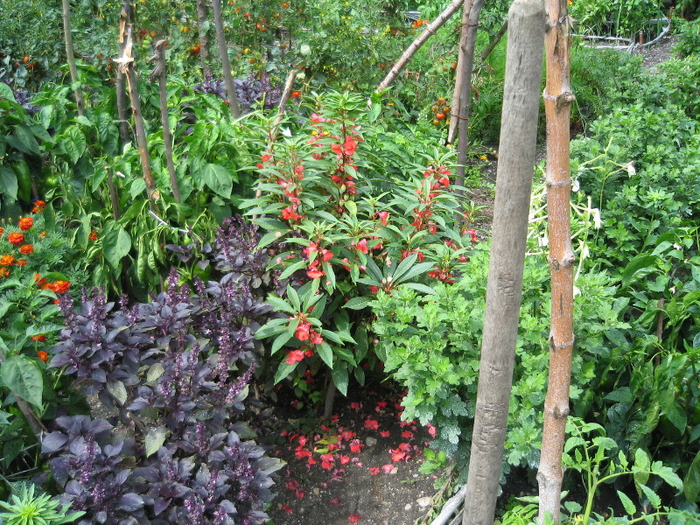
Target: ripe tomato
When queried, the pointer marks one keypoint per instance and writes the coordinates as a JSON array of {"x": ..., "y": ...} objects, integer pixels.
[
  {"x": 25, "y": 59},
  {"x": 440, "y": 116}
]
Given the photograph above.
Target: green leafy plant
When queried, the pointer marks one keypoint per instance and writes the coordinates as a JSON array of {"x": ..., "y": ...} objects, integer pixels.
[
  {"x": 26, "y": 508},
  {"x": 590, "y": 452}
]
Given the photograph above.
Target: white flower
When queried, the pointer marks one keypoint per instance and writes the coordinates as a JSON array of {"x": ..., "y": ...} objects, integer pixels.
[
  {"x": 287, "y": 133},
  {"x": 630, "y": 169},
  {"x": 575, "y": 185},
  {"x": 597, "y": 222}
]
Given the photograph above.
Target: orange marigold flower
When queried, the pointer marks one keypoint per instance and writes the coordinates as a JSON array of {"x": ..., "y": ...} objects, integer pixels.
[
  {"x": 43, "y": 356},
  {"x": 41, "y": 338},
  {"x": 42, "y": 235},
  {"x": 21, "y": 262},
  {"x": 59, "y": 286},
  {"x": 16, "y": 238},
  {"x": 39, "y": 206},
  {"x": 7, "y": 260},
  {"x": 93, "y": 236},
  {"x": 4, "y": 272},
  {"x": 26, "y": 224},
  {"x": 26, "y": 249},
  {"x": 2, "y": 230}
]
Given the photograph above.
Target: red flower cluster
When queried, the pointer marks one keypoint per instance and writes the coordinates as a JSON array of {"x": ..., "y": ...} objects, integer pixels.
[
  {"x": 26, "y": 224},
  {"x": 291, "y": 183},
  {"x": 296, "y": 356},
  {"x": 39, "y": 206},
  {"x": 315, "y": 256},
  {"x": 423, "y": 213}
]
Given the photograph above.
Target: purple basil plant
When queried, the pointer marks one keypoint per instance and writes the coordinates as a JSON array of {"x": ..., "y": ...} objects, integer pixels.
[{"x": 176, "y": 371}]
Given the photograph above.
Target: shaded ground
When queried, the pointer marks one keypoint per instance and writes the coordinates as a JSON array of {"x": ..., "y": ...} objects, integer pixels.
[{"x": 361, "y": 467}]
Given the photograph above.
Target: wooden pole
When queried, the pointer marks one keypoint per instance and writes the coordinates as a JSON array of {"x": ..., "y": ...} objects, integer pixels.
[
  {"x": 459, "y": 74},
  {"x": 204, "y": 53},
  {"x": 159, "y": 73},
  {"x": 225, "y": 62},
  {"x": 126, "y": 65},
  {"x": 70, "y": 55},
  {"x": 557, "y": 102},
  {"x": 504, "y": 287},
  {"x": 430, "y": 30},
  {"x": 125, "y": 18}
]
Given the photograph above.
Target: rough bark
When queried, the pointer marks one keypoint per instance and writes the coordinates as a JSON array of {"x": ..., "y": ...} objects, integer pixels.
[
  {"x": 430, "y": 30},
  {"x": 204, "y": 54},
  {"x": 459, "y": 74},
  {"x": 159, "y": 73},
  {"x": 465, "y": 94},
  {"x": 126, "y": 65},
  {"x": 225, "y": 61},
  {"x": 557, "y": 103},
  {"x": 113, "y": 196},
  {"x": 504, "y": 288},
  {"x": 70, "y": 55}
]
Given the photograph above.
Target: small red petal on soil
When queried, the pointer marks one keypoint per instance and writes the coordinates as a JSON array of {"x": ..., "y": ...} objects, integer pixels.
[
  {"x": 407, "y": 434},
  {"x": 355, "y": 405},
  {"x": 388, "y": 468},
  {"x": 374, "y": 471},
  {"x": 354, "y": 518},
  {"x": 287, "y": 509},
  {"x": 299, "y": 494},
  {"x": 405, "y": 447},
  {"x": 398, "y": 456},
  {"x": 384, "y": 433},
  {"x": 336, "y": 502},
  {"x": 371, "y": 424},
  {"x": 344, "y": 460}
]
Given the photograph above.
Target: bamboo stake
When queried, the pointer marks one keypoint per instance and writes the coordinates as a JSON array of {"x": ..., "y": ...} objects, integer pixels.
[
  {"x": 159, "y": 73},
  {"x": 68, "y": 37},
  {"x": 430, "y": 30},
  {"x": 557, "y": 101}
]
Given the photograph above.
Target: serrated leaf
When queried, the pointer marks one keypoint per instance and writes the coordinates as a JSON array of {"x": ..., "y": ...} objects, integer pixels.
[
  {"x": 155, "y": 439},
  {"x": 652, "y": 496},
  {"x": 627, "y": 503}
]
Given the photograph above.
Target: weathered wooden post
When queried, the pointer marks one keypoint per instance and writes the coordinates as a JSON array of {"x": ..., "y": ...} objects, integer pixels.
[{"x": 504, "y": 289}]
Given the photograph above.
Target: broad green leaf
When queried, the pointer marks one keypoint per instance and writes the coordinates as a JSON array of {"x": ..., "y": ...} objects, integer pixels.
[
  {"x": 283, "y": 338},
  {"x": 154, "y": 372},
  {"x": 218, "y": 179},
  {"x": 22, "y": 375},
  {"x": 326, "y": 353},
  {"x": 420, "y": 288},
  {"x": 116, "y": 245},
  {"x": 281, "y": 305},
  {"x": 294, "y": 298},
  {"x": 691, "y": 484},
  {"x": 284, "y": 370},
  {"x": 8, "y": 181},
  {"x": 6, "y": 92},
  {"x": 272, "y": 327},
  {"x": 12, "y": 449},
  {"x": 641, "y": 467},
  {"x": 155, "y": 439},
  {"x": 289, "y": 270},
  {"x": 644, "y": 263},
  {"x": 627, "y": 503},
  {"x": 24, "y": 140},
  {"x": 358, "y": 303},
  {"x": 340, "y": 378}
]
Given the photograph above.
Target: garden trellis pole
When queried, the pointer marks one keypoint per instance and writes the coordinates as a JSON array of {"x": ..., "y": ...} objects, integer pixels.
[
  {"x": 126, "y": 17},
  {"x": 204, "y": 53},
  {"x": 429, "y": 30},
  {"x": 557, "y": 103},
  {"x": 159, "y": 73},
  {"x": 70, "y": 56},
  {"x": 225, "y": 61},
  {"x": 505, "y": 280},
  {"x": 463, "y": 106}
]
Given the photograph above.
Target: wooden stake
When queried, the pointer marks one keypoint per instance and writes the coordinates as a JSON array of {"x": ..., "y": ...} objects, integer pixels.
[
  {"x": 159, "y": 73},
  {"x": 557, "y": 103},
  {"x": 204, "y": 53},
  {"x": 68, "y": 37},
  {"x": 225, "y": 62}
]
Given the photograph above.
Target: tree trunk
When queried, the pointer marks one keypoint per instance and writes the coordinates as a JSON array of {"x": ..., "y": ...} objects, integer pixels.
[
  {"x": 225, "y": 62},
  {"x": 557, "y": 103},
  {"x": 465, "y": 94},
  {"x": 126, "y": 17},
  {"x": 159, "y": 73},
  {"x": 504, "y": 288},
  {"x": 68, "y": 37},
  {"x": 126, "y": 65},
  {"x": 204, "y": 54},
  {"x": 430, "y": 30}
]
